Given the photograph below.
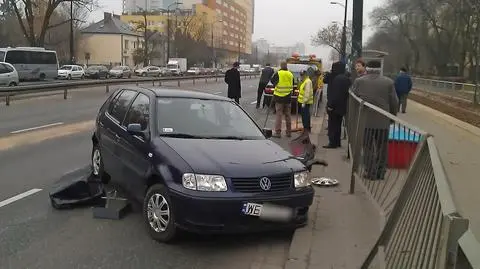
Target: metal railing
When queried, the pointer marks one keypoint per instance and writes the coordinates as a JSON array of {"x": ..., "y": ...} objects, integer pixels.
[
  {"x": 465, "y": 91},
  {"x": 399, "y": 168},
  {"x": 8, "y": 92}
]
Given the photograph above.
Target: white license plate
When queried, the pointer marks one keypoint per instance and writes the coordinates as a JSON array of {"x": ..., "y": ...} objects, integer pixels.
[{"x": 268, "y": 211}]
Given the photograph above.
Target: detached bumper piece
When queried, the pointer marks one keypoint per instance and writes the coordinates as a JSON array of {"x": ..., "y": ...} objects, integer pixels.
[{"x": 76, "y": 189}]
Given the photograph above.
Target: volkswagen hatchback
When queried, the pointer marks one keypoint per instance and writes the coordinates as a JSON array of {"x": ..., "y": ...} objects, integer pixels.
[{"x": 197, "y": 162}]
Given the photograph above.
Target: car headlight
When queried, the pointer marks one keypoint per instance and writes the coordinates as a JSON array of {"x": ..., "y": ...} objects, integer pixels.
[
  {"x": 301, "y": 179},
  {"x": 204, "y": 182}
]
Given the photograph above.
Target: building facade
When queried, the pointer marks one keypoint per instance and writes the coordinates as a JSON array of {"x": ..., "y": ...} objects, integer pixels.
[{"x": 108, "y": 42}]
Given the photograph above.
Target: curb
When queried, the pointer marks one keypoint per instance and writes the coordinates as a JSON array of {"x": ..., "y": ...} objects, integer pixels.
[{"x": 301, "y": 244}]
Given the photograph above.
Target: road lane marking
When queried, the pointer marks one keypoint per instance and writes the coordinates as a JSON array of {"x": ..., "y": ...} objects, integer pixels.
[
  {"x": 217, "y": 92},
  {"x": 254, "y": 102},
  {"x": 18, "y": 197},
  {"x": 38, "y": 136},
  {"x": 36, "y": 128}
]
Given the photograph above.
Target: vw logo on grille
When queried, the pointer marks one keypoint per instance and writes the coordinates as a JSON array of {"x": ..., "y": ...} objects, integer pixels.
[{"x": 265, "y": 183}]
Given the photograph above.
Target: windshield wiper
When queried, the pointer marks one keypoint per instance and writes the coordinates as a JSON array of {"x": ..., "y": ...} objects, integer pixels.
[
  {"x": 183, "y": 135},
  {"x": 229, "y": 137}
]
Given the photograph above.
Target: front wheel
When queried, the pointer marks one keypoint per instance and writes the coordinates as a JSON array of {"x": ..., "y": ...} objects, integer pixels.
[
  {"x": 158, "y": 214},
  {"x": 97, "y": 165}
]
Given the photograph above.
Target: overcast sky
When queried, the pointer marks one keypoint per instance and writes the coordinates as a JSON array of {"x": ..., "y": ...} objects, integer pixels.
[{"x": 283, "y": 24}]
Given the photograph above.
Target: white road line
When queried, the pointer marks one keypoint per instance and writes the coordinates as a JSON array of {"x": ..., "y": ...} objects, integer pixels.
[
  {"x": 254, "y": 102},
  {"x": 36, "y": 128},
  {"x": 18, "y": 197},
  {"x": 217, "y": 92}
]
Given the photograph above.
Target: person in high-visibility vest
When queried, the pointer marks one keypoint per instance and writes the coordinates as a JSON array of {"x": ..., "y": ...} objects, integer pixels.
[
  {"x": 283, "y": 81},
  {"x": 305, "y": 100}
]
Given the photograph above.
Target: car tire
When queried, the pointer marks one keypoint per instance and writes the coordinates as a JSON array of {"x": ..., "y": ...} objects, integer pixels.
[
  {"x": 69, "y": 77},
  {"x": 144, "y": 74},
  {"x": 158, "y": 230},
  {"x": 12, "y": 84},
  {"x": 98, "y": 170}
]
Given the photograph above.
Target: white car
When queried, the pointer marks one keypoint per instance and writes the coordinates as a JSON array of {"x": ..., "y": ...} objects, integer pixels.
[
  {"x": 8, "y": 75},
  {"x": 71, "y": 72},
  {"x": 193, "y": 71}
]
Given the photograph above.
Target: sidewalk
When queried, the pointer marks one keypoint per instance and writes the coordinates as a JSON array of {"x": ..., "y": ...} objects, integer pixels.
[{"x": 342, "y": 227}]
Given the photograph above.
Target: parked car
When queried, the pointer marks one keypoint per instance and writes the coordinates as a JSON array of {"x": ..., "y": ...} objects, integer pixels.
[
  {"x": 97, "y": 71},
  {"x": 8, "y": 75},
  {"x": 121, "y": 71},
  {"x": 194, "y": 71},
  {"x": 151, "y": 71},
  {"x": 165, "y": 72},
  {"x": 197, "y": 162},
  {"x": 71, "y": 72}
]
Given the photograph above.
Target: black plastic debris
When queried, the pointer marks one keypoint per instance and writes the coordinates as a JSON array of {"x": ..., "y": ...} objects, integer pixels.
[
  {"x": 114, "y": 207},
  {"x": 302, "y": 147},
  {"x": 77, "y": 188}
]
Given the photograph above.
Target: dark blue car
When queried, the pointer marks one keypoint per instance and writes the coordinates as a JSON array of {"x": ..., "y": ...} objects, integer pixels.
[{"x": 198, "y": 162}]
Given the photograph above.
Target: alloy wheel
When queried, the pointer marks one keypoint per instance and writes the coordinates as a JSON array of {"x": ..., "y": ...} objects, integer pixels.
[{"x": 158, "y": 213}]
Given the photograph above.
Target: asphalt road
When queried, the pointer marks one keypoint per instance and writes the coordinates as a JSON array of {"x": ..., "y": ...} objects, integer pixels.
[{"x": 33, "y": 235}]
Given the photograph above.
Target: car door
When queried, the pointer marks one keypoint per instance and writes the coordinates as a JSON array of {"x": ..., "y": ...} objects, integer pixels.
[
  {"x": 4, "y": 75},
  {"x": 135, "y": 150},
  {"x": 112, "y": 131}
]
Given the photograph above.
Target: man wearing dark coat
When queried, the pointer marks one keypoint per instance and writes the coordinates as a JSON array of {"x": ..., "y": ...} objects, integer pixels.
[{"x": 232, "y": 78}]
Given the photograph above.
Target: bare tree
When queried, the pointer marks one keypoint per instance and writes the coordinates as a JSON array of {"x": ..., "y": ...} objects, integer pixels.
[
  {"x": 34, "y": 17},
  {"x": 330, "y": 36}
]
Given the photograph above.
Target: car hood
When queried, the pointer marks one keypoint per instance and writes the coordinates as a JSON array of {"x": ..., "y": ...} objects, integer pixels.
[
  {"x": 64, "y": 71},
  {"x": 234, "y": 158}
]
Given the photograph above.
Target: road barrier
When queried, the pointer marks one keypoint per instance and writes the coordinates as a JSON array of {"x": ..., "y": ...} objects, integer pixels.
[
  {"x": 399, "y": 168},
  {"x": 9, "y": 92},
  {"x": 465, "y": 91}
]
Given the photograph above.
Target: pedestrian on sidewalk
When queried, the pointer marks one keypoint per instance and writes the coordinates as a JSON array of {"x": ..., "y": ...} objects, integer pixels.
[
  {"x": 379, "y": 91},
  {"x": 267, "y": 74},
  {"x": 283, "y": 81},
  {"x": 337, "y": 97},
  {"x": 305, "y": 100},
  {"x": 232, "y": 78},
  {"x": 403, "y": 86}
]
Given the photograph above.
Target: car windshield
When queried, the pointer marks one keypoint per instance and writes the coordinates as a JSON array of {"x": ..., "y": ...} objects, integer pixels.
[
  {"x": 94, "y": 68},
  {"x": 297, "y": 68},
  {"x": 118, "y": 68},
  {"x": 66, "y": 67},
  {"x": 205, "y": 119}
]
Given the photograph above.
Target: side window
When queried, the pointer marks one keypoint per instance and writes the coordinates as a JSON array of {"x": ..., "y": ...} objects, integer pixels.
[
  {"x": 3, "y": 69},
  {"x": 119, "y": 106},
  {"x": 16, "y": 57},
  {"x": 9, "y": 68},
  {"x": 139, "y": 112}
]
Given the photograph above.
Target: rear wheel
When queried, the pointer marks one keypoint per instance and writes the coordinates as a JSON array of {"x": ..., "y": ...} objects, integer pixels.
[
  {"x": 158, "y": 214},
  {"x": 12, "y": 84},
  {"x": 97, "y": 165}
]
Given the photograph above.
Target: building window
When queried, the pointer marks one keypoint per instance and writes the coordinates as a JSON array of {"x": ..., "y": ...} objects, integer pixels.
[{"x": 126, "y": 43}]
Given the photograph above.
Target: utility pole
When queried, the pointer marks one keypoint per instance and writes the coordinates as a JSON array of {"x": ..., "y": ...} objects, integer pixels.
[
  {"x": 357, "y": 23},
  {"x": 72, "y": 49},
  {"x": 344, "y": 35},
  {"x": 238, "y": 60}
]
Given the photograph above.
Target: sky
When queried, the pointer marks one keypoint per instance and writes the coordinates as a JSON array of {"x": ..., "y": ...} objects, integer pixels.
[{"x": 275, "y": 21}]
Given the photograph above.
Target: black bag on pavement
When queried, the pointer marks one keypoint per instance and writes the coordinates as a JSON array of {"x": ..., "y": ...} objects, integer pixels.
[{"x": 77, "y": 188}]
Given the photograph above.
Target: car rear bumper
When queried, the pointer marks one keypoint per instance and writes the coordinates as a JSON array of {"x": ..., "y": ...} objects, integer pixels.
[{"x": 224, "y": 215}]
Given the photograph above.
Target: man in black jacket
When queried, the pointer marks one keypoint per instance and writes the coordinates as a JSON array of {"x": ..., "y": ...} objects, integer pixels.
[
  {"x": 232, "y": 78},
  {"x": 337, "y": 98},
  {"x": 265, "y": 77}
]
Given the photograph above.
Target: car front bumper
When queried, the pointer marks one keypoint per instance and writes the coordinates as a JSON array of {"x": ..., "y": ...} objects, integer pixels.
[{"x": 224, "y": 215}]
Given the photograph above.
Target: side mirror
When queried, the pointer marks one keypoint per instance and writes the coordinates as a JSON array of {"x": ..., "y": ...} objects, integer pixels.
[
  {"x": 135, "y": 129},
  {"x": 267, "y": 132}
]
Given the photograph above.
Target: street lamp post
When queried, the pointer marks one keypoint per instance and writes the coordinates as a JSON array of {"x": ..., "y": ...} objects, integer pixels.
[
  {"x": 214, "y": 59},
  {"x": 343, "y": 45}
]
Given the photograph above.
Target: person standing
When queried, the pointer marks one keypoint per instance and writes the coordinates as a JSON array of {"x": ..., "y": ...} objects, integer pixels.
[
  {"x": 337, "y": 96},
  {"x": 379, "y": 91},
  {"x": 232, "y": 78},
  {"x": 360, "y": 68},
  {"x": 403, "y": 86},
  {"x": 267, "y": 74},
  {"x": 305, "y": 100},
  {"x": 283, "y": 81}
]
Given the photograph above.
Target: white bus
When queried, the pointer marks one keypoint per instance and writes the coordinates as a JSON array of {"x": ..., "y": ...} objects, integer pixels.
[{"x": 31, "y": 63}]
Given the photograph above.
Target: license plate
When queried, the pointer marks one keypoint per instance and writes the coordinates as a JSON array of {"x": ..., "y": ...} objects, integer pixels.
[{"x": 268, "y": 211}]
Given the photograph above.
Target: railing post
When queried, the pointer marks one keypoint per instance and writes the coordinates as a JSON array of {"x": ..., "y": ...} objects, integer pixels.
[
  {"x": 107, "y": 89},
  {"x": 7, "y": 100},
  {"x": 159, "y": 83},
  {"x": 193, "y": 81},
  {"x": 206, "y": 80},
  {"x": 153, "y": 82},
  {"x": 136, "y": 83},
  {"x": 178, "y": 83},
  {"x": 65, "y": 94},
  {"x": 216, "y": 78},
  {"x": 453, "y": 227},
  {"x": 357, "y": 146}
]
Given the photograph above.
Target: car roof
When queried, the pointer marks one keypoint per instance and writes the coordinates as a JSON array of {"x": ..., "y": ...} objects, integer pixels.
[{"x": 166, "y": 92}]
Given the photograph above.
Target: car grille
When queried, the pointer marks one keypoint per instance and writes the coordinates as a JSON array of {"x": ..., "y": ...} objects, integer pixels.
[{"x": 252, "y": 185}]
